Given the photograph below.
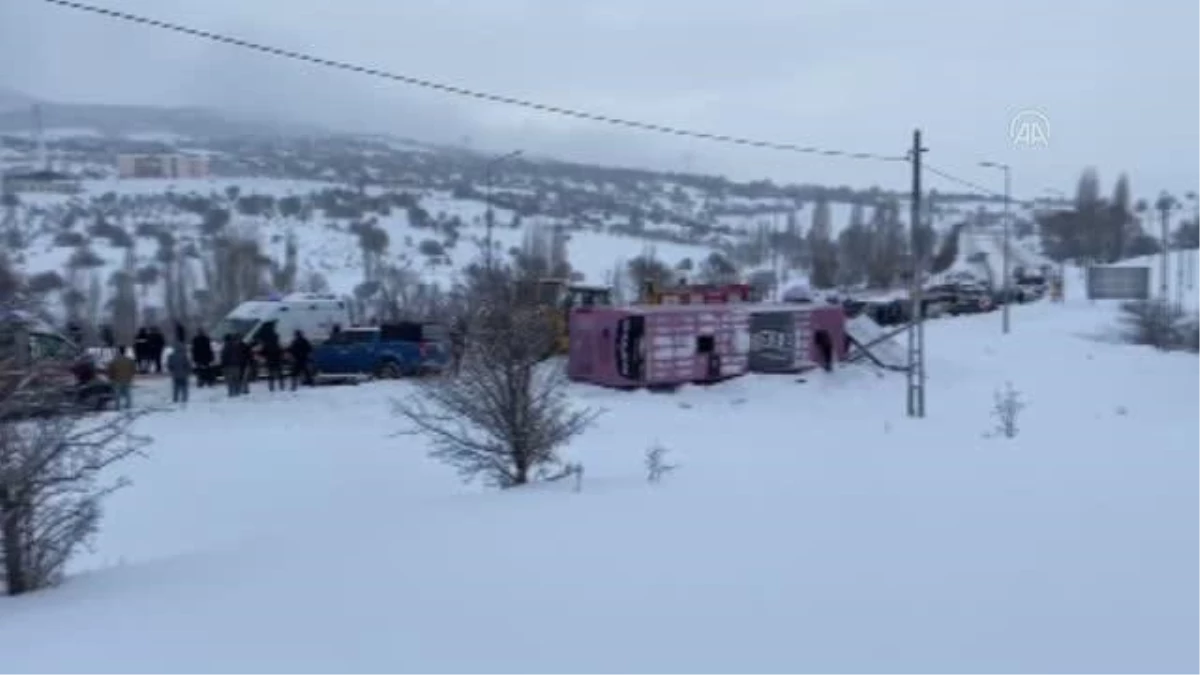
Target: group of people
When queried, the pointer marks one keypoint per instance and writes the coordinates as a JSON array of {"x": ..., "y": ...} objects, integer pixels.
[
  {"x": 148, "y": 347},
  {"x": 238, "y": 364}
]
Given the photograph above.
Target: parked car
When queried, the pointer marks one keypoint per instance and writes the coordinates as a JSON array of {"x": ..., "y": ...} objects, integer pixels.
[
  {"x": 962, "y": 298},
  {"x": 386, "y": 351}
]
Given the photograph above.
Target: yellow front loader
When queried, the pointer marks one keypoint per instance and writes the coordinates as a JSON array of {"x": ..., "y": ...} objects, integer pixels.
[{"x": 556, "y": 297}]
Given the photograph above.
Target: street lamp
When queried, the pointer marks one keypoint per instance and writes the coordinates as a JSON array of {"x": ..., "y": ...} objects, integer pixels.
[
  {"x": 1004, "y": 253},
  {"x": 487, "y": 182},
  {"x": 1165, "y": 204}
]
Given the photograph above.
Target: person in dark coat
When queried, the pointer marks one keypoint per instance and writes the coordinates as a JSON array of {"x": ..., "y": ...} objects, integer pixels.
[
  {"x": 824, "y": 348},
  {"x": 109, "y": 340},
  {"x": 180, "y": 333},
  {"x": 202, "y": 359},
  {"x": 272, "y": 353},
  {"x": 231, "y": 363},
  {"x": 158, "y": 345},
  {"x": 247, "y": 366},
  {"x": 141, "y": 350},
  {"x": 300, "y": 350}
]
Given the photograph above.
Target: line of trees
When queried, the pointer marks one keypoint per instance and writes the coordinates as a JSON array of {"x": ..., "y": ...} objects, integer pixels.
[
  {"x": 876, "y": 251},
  {"x": 1109, "y": 229}
]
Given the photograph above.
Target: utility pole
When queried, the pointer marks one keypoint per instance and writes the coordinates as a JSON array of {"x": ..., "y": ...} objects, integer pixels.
[
  {"x": 490, "y": 216},
  {"x": 1189, "y": 257},
  {"x": 916, "y": 322},
  {"x": 1180, "y": 278},
  {"x": 1164, "y": 204},
  {"x": 1006, "y": 274}
]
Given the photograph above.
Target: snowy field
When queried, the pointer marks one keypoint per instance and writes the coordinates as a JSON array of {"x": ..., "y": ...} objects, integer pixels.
[{"x": 810, "y": 527}]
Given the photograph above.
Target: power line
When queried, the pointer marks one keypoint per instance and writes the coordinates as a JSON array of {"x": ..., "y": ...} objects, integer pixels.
[
  {"x": 963, "y": 182},
  {"x": 470, "y": 93}
]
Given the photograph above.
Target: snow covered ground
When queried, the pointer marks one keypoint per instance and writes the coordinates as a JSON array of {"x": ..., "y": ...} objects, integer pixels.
[{"x": 810, "y": 527}]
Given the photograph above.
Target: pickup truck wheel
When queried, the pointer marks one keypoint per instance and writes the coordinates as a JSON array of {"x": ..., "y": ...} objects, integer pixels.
[{"x": 390, "y": 370}]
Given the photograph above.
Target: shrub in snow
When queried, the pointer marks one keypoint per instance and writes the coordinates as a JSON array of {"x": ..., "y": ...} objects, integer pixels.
[
  {"x": 1006, "y": 408},
  {"x": 656, "y": 463},
  {"x": 503, "y": 415},
  {"x": 84, "y": 258},
  {"x": 1159, "y": 324},
  {"x": 70, "y": 239},
  {"x": 431, "y": 248},
  {"x": 45, "y": 282}
]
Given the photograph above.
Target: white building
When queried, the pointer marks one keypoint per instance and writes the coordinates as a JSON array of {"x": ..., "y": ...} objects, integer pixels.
[{"x": 162, "y": 165}]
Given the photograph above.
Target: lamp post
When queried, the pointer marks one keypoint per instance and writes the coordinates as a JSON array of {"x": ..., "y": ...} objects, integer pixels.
[
  {"x": 1165, "y": 204},
  {"x": 1004, "y": 253},
  {"x": 490, "y": 216}
]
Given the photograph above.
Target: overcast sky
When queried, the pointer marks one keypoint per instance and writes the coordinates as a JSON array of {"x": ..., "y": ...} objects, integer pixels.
[{"x": 1118, "y": 82}]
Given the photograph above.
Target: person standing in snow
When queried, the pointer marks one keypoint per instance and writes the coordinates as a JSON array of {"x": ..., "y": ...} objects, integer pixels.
[
  {"x": 157, "y": 345},
  {"x": 272, "y": 353},
  {"x": 300, "y": 350},
  {"x": 824, "y": 348},
  {"x": 180, "y": 368},
  {"x": 121, "y": 370},
  {"x": 248, "y": 365},
  {"x": 141, "y": 350},
  {"x": 109, "y": 340},
  {"x": 231, "y": 363},
  {"x": 202, "y": 359}
]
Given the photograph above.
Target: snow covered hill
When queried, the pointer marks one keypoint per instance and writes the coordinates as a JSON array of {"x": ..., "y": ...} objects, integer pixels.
[{"x": 810, "y": 527}]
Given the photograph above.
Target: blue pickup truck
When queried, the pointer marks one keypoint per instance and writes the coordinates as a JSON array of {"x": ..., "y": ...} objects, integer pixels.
[{"x": 387, "y": 351}]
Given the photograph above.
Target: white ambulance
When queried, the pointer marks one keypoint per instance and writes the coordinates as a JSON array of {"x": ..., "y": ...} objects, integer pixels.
[{"x": 313, "y": 313}]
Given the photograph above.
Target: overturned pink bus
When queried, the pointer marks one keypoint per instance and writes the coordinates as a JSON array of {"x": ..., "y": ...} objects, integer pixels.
[
  {"x": 790, "y": 338},
  {"x": 658, "y": 345}
]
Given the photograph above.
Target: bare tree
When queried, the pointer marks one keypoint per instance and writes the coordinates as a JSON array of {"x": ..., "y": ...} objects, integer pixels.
[
  {"x": 504, "y": 415},
  {"x": 718, "y": 269},
  {"x": 94, "y": 303},
  {"x": 283, "y": 277},
  {"x": 73, "y": 296},
  {"x": 646, "y": 268},
  {"x": 373, "y": 242},
  {"x": 52, "y": 457},
  {"x": 1007, "y": 405},
  {"x": 124, "y": 300},
  {"x": 233, "y": 272},
  {"x": 10, "y": 281},
  {"x": 618, "y": 282},
  {"x": 313, "y": 282},
  {"x": 657, "y": 465}
]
